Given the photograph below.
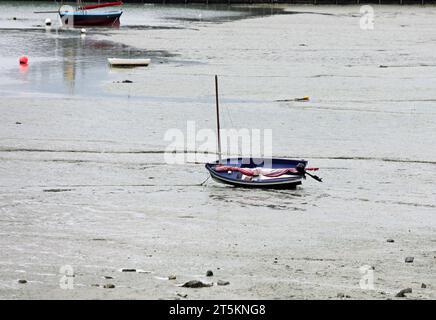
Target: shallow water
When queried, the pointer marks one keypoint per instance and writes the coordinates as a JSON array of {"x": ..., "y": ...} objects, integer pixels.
[{"x": 86, "y": 160}]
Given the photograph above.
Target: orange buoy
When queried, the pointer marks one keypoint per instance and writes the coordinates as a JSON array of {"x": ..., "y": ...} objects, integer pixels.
[{"x": 24, "y": 60}]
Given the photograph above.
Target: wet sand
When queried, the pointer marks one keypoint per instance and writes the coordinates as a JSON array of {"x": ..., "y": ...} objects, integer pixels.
[{"x": 83, "y": 181}]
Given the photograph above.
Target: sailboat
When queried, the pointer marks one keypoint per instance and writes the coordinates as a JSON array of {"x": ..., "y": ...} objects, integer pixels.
[
  {"x": 83, "y": 16},
  {"x": 273, "y": 173}
]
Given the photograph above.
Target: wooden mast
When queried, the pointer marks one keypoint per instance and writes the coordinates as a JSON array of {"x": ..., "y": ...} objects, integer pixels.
[{"x": 218, "y": 119}]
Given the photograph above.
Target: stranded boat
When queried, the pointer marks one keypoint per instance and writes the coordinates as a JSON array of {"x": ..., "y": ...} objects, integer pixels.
[
  {"x": 82, "y": 16},
  {"x": 116, "y": 62},
  {"x": 271, "y": 173}
]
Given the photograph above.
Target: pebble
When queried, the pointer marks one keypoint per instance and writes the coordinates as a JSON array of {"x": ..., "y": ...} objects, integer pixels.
[
  {"x": 403, "y": 292},
  {"x": 22, "y": 281},
  {"x": 109, "y": 286},
  {"x": 423, "y": 285},
  {"x": 409, "y": 259},
  {"x": 172, "y": 277},
  {"x": 209, "y": 273},
  {"x": 223, "y": 283},
  {"x": 196, "y": 284}
]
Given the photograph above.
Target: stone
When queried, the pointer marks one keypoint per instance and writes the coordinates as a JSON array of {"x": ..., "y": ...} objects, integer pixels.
[
  {"x": 423, "y": 285},
  {"x": 196, "y": 284},
  {"x": 22, "y": 281},
  {"x": 128, "y": 270},
  {"x": 409, "y": 259},
  {"x": 390, "y": 240},
  {"x": 223, "y": 283},
  {"x": 109, "y": 286},
  {"x": 209, "y": 273},
  {"x": 127, "y": 81},
  {"x": 403, "y": 292}
]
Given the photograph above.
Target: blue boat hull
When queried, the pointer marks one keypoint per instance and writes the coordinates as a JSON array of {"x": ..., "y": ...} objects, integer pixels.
[
  {"x": 235, "y": 178},
  {"x": 83, "y": 18}
]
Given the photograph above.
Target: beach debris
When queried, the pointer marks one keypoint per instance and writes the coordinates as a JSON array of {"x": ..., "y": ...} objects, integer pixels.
[
  {"x": 24, "y": 60},
  {"x": 305, "y": 98},
  {"x": 209, "y": 273},
  {"x": 423, "y": 285},
  {"x": 22, "y": 281},
  {"x": 390, "y": 240},
  {"x": 409, "y": 259},
  {"x": 183, "y": 295},
  {"x": 47, "y": 22},
  {"x": 196, "y": 284},
  {"x": 223, "y": 283},
  {"x": 109, "y": 286},
  {"x": 172, "y": 277},
  {"x": 403, "y": 292},
  {"x": 56, "y": 190}
]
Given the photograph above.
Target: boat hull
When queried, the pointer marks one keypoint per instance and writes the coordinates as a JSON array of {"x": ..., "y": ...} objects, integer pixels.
[
  {"x": 84, "y": 19},
  {"x": 116, "y": 62},
  {"x": 236, "y": 178}
]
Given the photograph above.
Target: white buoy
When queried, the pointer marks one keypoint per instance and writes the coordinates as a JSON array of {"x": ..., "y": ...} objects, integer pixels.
[{"x": 83, "y": 31}]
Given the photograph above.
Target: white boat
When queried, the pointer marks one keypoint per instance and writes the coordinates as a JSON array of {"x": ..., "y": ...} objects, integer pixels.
[{"x": 116, "y": 62}]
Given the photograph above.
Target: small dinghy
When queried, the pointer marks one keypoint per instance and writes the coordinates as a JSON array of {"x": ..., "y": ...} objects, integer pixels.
[
  {"x": 258, "y": 173},
  {"x": 273, "y": 173},
  {"x": 116, "y": 62}
]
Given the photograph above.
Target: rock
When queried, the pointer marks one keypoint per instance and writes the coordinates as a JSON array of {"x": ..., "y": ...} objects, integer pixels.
[
  {"x": 403, "y": 292},
  {"x": 423, "y": 285},
  {"x": 22, "y": 281},
  {"x": 18, "y": 122},
  {"x": 223, "y": 283},
  {"x": 209, "y": 273},
  {"x": 108, "y": 277},
  {"x": 409, "y": 259},
  {"x": 109, "y": 286},
  {"x": 128, "y": 270},
  {"x": 127, "y": 81},
  {"x": 172, "y": 277},
  {"x": 390, "y": 240},
  {"x": 196, "y": 284}
]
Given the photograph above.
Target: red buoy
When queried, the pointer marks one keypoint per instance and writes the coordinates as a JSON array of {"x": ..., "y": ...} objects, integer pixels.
[{"x": 24, "y": 60}]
